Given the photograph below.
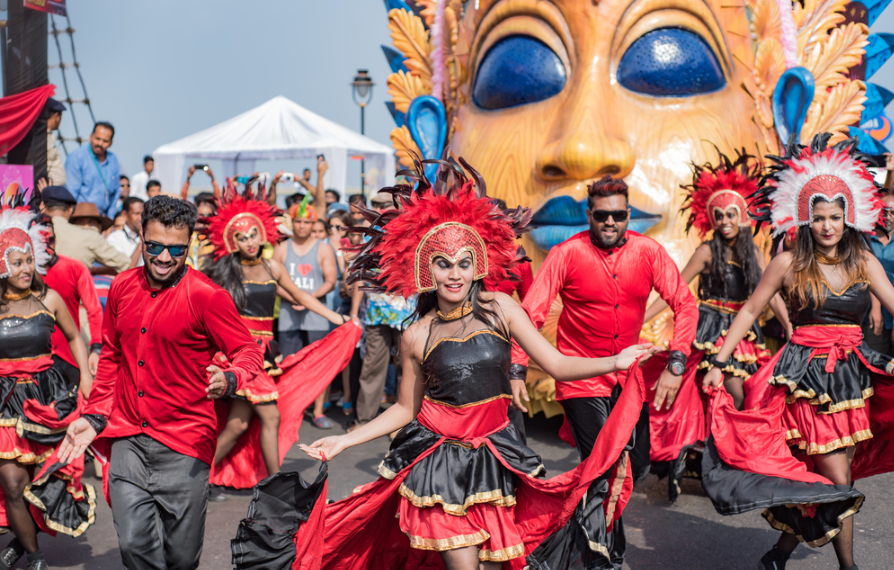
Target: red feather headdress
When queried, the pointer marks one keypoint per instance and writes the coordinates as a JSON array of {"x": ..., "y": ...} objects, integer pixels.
[
  {"x": 731, "y": 184},
  {"x": 445, "y": 220},
  {"x": 238, "y": 214},
  {"x": 20, "y": 228}
]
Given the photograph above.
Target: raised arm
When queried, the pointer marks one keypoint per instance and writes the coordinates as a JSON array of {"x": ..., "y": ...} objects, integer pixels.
[
  {"x": 409, "y": 401},
  {"x": 320, "y": 190},
  {"x": 537, "y": 302},
  {"x": 698, "y": 264}
]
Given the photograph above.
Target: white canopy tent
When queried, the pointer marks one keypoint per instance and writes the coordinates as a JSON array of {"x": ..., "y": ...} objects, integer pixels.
[{"x": 277, "y": 130}]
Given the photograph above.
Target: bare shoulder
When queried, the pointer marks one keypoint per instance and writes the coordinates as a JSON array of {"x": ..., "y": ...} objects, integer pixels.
[
  {"x": 502, "y": 300},
  {"x": 52, "y": 300},
  {"x": 415, "y": 336},
  {"x": 703, "y": 251}
]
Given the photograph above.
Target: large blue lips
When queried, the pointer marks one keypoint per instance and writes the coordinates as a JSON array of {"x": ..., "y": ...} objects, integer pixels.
[{"x": 562, "y": 217}]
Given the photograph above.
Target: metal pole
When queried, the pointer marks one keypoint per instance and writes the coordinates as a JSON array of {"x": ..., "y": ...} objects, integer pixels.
[
  {"x": 362, "y": 162},
  {"x": 3, "y": 53}
]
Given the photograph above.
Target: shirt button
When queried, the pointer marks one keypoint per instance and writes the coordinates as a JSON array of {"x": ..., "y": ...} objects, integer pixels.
[
  {"x": 143, "y": 330},
  {"x": 140, "y": 363},
  {"x": 145, "y": 423},
  {"x": 614, "y": 276},
  {"x": 616, "y": 305},
  {"x": 140, "y": 393},
  {"x": 616, "y": 336},
  {"x": 154, "y": 294}
]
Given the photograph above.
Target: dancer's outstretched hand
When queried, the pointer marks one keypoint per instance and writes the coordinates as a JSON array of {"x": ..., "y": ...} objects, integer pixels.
[
  {"x": 629, "y": 355},
  {"x": 79, "y": 435},
  {"x": 713, "y": 378},
  {"x": 324, "y": 449},
  {"x": 519, "y": 395}
]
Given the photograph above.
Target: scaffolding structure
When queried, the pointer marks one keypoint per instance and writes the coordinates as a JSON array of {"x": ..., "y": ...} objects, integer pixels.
[{"x": 62, "y": 66}]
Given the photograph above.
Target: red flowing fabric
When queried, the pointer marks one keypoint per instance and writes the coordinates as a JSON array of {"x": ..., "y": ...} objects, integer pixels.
[
  {"x": 305, "y": 374},
  {"x": 464, "y": 424},
  {"x": 361, "y": 531},
  {"x": 19, "y": 112},
  {"x": 754, "y": 439}
]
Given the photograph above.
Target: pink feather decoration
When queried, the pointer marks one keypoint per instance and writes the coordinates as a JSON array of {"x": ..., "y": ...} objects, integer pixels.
[
  {"x": 789, "y": 36},
  {"x": 437, "y": 55}
]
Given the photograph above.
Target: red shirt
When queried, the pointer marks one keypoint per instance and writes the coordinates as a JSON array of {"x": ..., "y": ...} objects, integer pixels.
[
  {"x": 72, "y": 280},
  {"x": 522, "y": 286},
  {"x": 156, "y": 346},
  {"x": 604, "y": 293}
]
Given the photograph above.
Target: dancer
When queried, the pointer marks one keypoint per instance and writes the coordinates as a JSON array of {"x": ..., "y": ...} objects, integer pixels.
[
  {"x": 38, "y": 401},
  {"x": 604, "y": 277},
  {"x": 458, "y": 485},
  {"x": 239, "y": 231},
  {"x": 813, "y": 393},
  {"x": 729, "y": 265},
  {"x": 152, "y": 398}
]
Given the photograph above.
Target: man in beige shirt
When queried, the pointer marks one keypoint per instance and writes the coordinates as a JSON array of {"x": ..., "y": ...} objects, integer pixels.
[
  {"x": 85, "y": 244},
  {"x": 55, "y": 164}
]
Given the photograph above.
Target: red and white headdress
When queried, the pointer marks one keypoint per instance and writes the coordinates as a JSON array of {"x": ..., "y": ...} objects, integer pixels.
[
  {"x": 451, "y": 218},
  {"x": 239, "y": 214},
  {"x": 20, "y": 232},
  {"x": 730, "y": 185},
  {"x": 819, "y": 171}
]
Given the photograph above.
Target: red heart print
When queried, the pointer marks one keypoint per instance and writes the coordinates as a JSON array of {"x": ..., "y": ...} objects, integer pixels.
[{"x": 304, "y": 269}]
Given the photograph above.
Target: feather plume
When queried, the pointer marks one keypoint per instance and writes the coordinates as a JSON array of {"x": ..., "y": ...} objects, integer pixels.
[
  {"x": 438, "y": 47},
  {"x": 829, "y": 60},
  {"x": 410, "y": 37},
  {"x": 404, "y": 146},
  {"x": 838, "y": 109},
  {"x": 769, "y": 64},
  {"x": 765, "y": 20},
  {"x": 788, "y": 35},
  {"x": 403, "y": 88},
  {"x": 815, "y": 19}
]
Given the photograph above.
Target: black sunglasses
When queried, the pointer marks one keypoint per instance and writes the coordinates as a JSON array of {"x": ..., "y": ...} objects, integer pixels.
[
  {"x": 339, "y": 228},
  {"x": 602, "y": 216},
  {"x": 154, "y": 249}
]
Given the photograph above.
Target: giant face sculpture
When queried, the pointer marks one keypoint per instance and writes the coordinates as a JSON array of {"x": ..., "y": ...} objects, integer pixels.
[{"x": 544, "y": 96}]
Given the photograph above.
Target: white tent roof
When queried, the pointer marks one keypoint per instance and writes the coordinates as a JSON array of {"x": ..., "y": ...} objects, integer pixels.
[{"x": 279, "y": 129}]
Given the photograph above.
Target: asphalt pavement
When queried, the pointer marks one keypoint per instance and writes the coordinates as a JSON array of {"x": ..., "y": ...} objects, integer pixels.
[{"x": 688, "y": 535}]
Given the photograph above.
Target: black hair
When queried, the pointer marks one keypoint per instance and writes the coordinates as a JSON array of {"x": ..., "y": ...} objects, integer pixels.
[
  {"x": 742, "y": 252},
  {"x": 227, "y": 272},
  {"x": 124, "y": 177},
  {"x": 305, "y": 170},
  {"x": 294, "y": 199},
  {"x": 105, "y": 125},
  {"x": 56, "y": 205},
  {"x": 153, "y": 183},
  {"x": 148, "y": 158},
  {"x": 169, "y": 212},
  {"x": 128, "y": 202},
  {"x": 355, "y": 199},
  {"x": 334, "y": 192}
]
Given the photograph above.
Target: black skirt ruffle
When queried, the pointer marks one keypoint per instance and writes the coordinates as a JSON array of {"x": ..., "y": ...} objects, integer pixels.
[
  {"x": 456, "y": 475},
  {"x": 64, "y": 509},
  {"x": 813, "y": 512},
  {"x": 845, "y": 388},
  {"x": 713, "y": 324},
  {"x": 48, "y": 387}
]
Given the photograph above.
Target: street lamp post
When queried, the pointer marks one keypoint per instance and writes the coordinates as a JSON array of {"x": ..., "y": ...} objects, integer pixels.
[{"x": 361, "y": 89}]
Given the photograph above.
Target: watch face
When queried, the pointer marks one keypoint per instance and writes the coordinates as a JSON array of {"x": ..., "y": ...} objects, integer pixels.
[{"x": 676, "y": 368}]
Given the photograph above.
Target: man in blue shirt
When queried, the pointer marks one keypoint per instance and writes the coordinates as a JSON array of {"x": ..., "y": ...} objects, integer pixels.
[
  {"x": 92, "y": 173},
  {"x": 879, "y": 326}
]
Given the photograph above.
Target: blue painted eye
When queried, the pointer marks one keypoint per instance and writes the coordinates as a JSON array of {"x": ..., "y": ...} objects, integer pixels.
[
  {"x": 517, "y": 70},
  {"x": 670, "y": 62}
]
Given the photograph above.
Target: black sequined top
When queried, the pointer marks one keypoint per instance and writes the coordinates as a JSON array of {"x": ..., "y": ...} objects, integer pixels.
[
  {"x": 731, "y": 289},
  {"x": 261, "y": 297},
  {"x": 848, "y": 307},
  {"x": 467, "y": 370},
  {"x": 26, "y": 336}
]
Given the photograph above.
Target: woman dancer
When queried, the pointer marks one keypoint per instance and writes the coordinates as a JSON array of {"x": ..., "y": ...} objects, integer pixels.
[
  {"x": 458, "y": 481},
  {"x": 238, "y": 232},
  {"x": 729, "y": 266},
  {"x": 823, "y": 377},
  {"x": 38, "y": 403}
]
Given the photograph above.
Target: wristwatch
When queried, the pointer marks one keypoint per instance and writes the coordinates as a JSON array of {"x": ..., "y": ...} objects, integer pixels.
[{"x": 676, "y": 363}]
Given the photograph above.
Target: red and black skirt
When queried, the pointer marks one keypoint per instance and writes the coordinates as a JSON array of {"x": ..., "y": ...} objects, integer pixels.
[
  {"x": 714, "y": 320},
  {"x": 262, "y": 389}
]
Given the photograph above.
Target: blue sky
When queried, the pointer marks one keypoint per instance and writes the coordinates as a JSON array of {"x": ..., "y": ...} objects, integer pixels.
[{"x": 161, "y": 69}]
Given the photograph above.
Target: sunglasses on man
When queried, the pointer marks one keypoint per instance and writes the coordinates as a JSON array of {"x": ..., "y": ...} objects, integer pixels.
[
  {"x": 154, "y": 249},
  {"x": 602, "y": 216}
]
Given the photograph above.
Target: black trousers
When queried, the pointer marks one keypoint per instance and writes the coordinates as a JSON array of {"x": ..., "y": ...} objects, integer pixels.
[
  {"x": 159, "y": 498},
  {"x": 587, "y": 417}
]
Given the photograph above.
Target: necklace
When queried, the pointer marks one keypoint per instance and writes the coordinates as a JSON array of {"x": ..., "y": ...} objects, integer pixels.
[
  {"x": 456, "y": 313},
  {"x": 825, "y": 259},
  {"x": 16, "y": 297},
  {"x": 251, "y": 262}
]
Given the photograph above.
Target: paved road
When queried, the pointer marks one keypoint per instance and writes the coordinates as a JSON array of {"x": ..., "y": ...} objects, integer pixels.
[{"x": 686, "y": 535}]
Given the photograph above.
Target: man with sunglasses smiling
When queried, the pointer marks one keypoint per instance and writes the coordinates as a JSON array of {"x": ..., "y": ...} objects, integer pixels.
[
  {"x": 604, "y": 277},
  {"x": 152, "y": 400}
]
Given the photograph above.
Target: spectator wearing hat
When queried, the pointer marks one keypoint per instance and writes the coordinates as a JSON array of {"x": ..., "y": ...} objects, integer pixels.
[
  {"x": 55, "y": 165},
  {"x": 139, "y": 180},
  {"x": 73, "y": 240},
  {"x": 92, "y": 171}
]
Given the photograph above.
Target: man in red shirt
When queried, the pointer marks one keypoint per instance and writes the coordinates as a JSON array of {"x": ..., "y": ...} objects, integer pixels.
[
  {"x": 605, "y": 276},
  {"x": 72, "y": 280},
  {"x": 152, "y": 398}
]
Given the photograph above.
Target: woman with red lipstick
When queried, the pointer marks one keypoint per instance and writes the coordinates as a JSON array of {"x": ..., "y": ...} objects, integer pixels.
[
  {"x": 238, "y": 232},
  {"x": 458, "y": 487},
  {"x": 728, "y": 265},
  {"x": 812, "y": 397},
  {"x": 37, "y": 402}
]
